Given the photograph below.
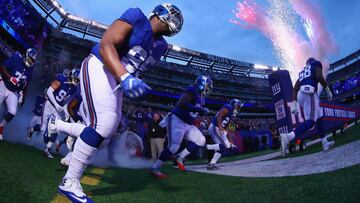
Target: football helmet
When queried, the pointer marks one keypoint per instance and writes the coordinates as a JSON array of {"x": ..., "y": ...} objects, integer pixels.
[
  {"x": 204, "y": 84},
  {"x": 236, "y": 104},
  {"x": 30, "y": 57},
  {"x": 74, "y": 76},
  {"x": 170, "y": 15}
]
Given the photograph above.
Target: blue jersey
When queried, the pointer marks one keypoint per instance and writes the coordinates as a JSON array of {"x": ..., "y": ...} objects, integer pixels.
[
  {"x": 141, "y": 51},
  {"x": 16, "y": 67},
  {"x": 185, "y": 114},
  {"x": 308, "y": 75},
  {"x": 225, "y": 120},
  {"x": 65, "y": 91},
  {"x": 39, "y": 105}
]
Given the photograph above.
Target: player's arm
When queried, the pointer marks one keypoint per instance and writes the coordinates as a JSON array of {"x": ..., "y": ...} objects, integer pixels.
[
  {"x": 320, "y": 77},
  {"x": 5, "y": 73},
  {"x": 116, "y": 35},
  {"x": 220, "y": 116},
  {"x": 50, "y": 94},
  {"x": 71, "y": 107},
  {"x": 295, "y": 90},
  {"x": 185, "y": 102}
]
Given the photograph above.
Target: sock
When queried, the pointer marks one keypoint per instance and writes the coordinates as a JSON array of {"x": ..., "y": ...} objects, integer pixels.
[
  {"x": 81, "y": 157},
  {"x": 214, "y": 147},
  {"x": 184, "y": 153},
  {"x": 49, "y": 144},
  {"x": 72, "y": 129},
  {"x": 158, "y": 164},
  {"x": 215, "y": 158}
]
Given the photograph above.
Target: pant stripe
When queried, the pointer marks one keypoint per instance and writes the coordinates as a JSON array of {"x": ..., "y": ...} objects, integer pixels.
[
  {"x": 169, "y": 127},
  {"x": 312, "y": 107},
  {"x": 87, "y": 88}
]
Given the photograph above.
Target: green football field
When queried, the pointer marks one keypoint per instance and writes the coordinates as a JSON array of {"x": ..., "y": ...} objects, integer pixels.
[{"x": 27, "y": 176}]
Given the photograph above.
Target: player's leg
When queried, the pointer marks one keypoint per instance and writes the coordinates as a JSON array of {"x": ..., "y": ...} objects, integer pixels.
[
  {"x": 48, "y": 136},
  {"x": 34, "y": 126},
  {"x": 222, "y": 143},
  {"x": 195, "y": 140},
  {"x": 320, "y": 127},
  {"x": 176, "y": 129},
  {"x": 3, "y": 92},
  {"x": 11, "y": 100},
  {"x": 103, "y": 107}
]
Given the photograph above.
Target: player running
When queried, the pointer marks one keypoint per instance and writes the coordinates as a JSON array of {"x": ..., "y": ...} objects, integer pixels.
[
  {"x": 217, "y": 130},
  {"x": 60, "y": 90},
  {"x": 35, "y": 122},
  {"x": 130, "y": 45},
  {"x": 180, "y": 124},
  {"x": 16, "y": 73},
  {"x": 305, "y": 93}
]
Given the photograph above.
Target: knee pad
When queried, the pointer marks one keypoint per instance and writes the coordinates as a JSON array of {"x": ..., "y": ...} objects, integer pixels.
[
  {"x": 201, "y": 141},
  {"x": 91, "y": 137},
  {"x": 8, "y": 117}
]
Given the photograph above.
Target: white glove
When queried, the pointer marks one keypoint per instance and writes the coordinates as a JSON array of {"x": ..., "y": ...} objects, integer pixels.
[
  {"x": 328, "y": 93},
  {"x": 21, "y": 99},
  {"x": 294, "y": 107}
]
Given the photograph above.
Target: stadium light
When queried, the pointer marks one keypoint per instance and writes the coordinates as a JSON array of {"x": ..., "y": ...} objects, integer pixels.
[
  {"x": 176, "y": 48},
  {"x": 262, "y": 67}
]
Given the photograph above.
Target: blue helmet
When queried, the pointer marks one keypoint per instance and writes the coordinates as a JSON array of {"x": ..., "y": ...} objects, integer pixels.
[
  {"x": 30, "y": 57},
  {"x": 310, "y": 60},
  {"x": 170, "y": 15},
  {"x": 236, "y": 103},
  {"x": 74, "y": 76},
  {"x": 204, "y": 84}
]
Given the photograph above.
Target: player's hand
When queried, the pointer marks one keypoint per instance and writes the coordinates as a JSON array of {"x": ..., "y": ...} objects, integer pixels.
[
  {"x": 21, "y": 99},
  {"x": 14, "y": 81},
  {"x": 232, "y": 146},
  {"x": 204, "y": 111},
  {"x": 328, "y": 94},
  {"x": 221, "y": 131},
  {"x": 294, "y": 107},
  {"x": 133, "y": 87}
]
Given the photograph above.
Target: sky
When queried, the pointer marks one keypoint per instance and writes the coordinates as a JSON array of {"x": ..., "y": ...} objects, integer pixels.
[{"x": 207, "y": 27}]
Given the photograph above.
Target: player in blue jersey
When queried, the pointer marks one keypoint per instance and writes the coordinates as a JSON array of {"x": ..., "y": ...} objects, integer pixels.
[
  {"x": 305, "y": 95},
  {"x": 58, "y": 94},
  {"x": 217, "y": 130},
  {"x": 180, "y": 124},
  {"x": 16, "y": 73},
  {"x": 35, "y": 122},
  {"x": 129, "y": 46}
]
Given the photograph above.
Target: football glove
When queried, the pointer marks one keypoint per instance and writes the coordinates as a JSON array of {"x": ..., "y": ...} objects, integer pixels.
[{"x": 133, "y": 87}]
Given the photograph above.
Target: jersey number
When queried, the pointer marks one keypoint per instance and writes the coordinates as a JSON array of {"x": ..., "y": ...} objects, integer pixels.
[
  {"x": 61, "y": 95},
  {"x": 20, "y": 76},
  {"x": 305, "y": 73}
]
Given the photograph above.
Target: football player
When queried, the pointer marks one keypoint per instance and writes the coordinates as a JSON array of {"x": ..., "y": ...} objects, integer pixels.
[
  {"x": 35, "y": 121},
  {"x": 217, "y": 130},
  {"x": 305, "y": 95},
  {"x": 60, "y": 90},
  {"x": 180, "y": 124},
  {"x": 16, "y": 73},
  {"x": 129, "y": 46}
]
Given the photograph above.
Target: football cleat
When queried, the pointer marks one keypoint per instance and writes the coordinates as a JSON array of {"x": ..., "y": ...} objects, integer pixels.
[
  {"x": 71, "y": 189},
  {"x": 180, "y": 163},
  {"x": 48, "y": 154},
  {"x": 30, "y": 133},
  {"x": 328, "y": 145},
  {"x": 212, "y": 167},
  {"x": 1, "y": 133},
  {"x": 157, "y": 173}
]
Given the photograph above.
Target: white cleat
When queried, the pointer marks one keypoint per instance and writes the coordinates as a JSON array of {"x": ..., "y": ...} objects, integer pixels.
[
  {"x": 328, "y": 145},
  {"x": 48, "y": 154},
  {"x": 72, "y": 189},
  {"x": 284, "y": 143},
  {"x": 1, "y": 137}
]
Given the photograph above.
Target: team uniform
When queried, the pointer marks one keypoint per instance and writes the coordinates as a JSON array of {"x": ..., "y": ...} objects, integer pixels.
[
  {"x": 180, "y": 124},
  {"x": 12, "y": 89},
  {"x": 60, "y": 97},
  {"x": 308, "y": 100},
  {"x": 35, "y": 122},
  {"x": 220, "y": 136},
  {"x": 102, "y": 97}
]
